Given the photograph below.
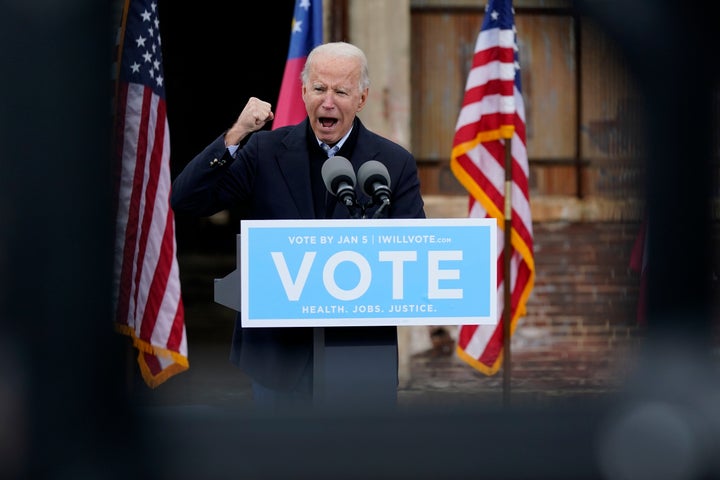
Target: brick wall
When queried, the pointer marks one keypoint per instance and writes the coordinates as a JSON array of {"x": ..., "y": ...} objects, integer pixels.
[
  {"x": 581, "y": 316},
  {"x": 581, "y": 324}
]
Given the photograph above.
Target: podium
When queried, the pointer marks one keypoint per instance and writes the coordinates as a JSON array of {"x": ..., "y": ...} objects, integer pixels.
[{"x": 348, "y": 278}]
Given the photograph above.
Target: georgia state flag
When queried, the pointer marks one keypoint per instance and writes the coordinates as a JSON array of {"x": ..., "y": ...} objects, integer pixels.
[{"x": 306, "y": 34}]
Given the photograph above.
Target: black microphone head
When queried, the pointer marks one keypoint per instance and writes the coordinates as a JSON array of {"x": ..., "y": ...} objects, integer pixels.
[
  {"x": 336, "y": 171},
  {"x": 371, "y": 173}
]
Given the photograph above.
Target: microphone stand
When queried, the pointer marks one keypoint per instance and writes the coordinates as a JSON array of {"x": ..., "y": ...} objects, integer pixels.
[
  {"x": 385, "y": 203},
  {"x": 382, "y": 203},
  {"x": 356, "y": 211}
]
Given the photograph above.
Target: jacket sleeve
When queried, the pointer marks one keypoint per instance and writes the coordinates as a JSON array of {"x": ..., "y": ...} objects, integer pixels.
[{"x": 197, "y": 190}]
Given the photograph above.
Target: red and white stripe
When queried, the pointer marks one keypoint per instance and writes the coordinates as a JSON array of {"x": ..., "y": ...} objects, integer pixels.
[
  {"x": 147, "y": 290},
  {"x": 493, "y": 112}
]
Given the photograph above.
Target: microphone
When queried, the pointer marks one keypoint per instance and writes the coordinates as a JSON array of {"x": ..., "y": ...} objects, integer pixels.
[
  {"x": 339, "y": 178},
  {"x": 375, "y": 181}
]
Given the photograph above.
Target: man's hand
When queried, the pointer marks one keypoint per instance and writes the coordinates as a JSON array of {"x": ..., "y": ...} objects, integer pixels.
[{"x": 253, "y": 117}]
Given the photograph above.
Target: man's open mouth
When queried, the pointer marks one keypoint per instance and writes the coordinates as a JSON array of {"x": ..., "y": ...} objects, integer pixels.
[{"x": 328, "y": 122}]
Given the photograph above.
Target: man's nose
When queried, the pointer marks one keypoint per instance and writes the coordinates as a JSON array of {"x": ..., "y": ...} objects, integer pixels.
[{"x": 328, "y": 101}]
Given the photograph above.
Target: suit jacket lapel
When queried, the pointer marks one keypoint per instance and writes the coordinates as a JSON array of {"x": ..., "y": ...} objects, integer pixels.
[
  {"x": 294, "y": 164},
  {"x": 365, "y": 149}
]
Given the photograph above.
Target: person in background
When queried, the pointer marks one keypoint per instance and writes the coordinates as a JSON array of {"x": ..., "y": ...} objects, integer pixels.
[
  {"x": 443, "y": 344},
  {"x": 276, "y": 174}
]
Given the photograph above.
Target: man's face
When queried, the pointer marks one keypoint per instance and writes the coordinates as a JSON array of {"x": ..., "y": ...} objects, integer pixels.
[{"x": 331, "y": 96}]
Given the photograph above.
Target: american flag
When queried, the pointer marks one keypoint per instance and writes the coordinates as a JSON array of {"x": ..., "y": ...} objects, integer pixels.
[
  {"x": 306, "y": 32},
  {"x": 146, "y": 287},
  {"x": 492, "y": 113}
]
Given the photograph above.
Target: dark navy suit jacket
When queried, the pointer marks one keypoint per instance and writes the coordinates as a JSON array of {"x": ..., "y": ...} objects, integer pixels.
[{"x": 270, "y": 179}]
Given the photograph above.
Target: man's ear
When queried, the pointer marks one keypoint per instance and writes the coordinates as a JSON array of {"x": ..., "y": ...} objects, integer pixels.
[{"x": 363, "y": 99}]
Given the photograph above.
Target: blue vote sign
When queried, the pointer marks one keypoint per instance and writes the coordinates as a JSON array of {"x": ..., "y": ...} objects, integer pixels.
[{"x": 300, "y": 273}]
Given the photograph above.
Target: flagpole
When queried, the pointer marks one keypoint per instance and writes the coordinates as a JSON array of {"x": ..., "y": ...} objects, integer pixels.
[
  {"x": 501, "y": 125},
  {"x": 507, "y": 249},
  {"x": 130, "y": 371}
]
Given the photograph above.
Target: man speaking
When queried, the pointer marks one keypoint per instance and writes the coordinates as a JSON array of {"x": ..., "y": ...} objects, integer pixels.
[{"x": 278, "y": 174}]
